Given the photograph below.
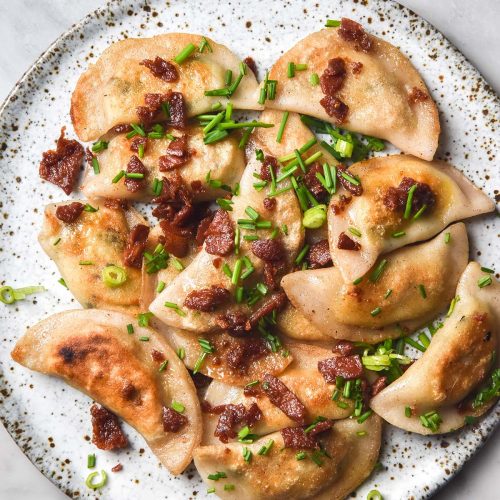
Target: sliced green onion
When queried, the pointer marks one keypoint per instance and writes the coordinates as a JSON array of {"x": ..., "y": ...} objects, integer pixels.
[
  {"x": 388, "y": 293},
  {"x": 95, "y": 486},
  {"x": 415, "y": 345},
  {"x": 374, "y": 495},
  {"x": 228, "y": 77},
  {"x": 420, "y": 212},
  {"x": 178, "y": 407},
  {"x": 218, "y": 475},
  {"x": 424, "y": 340},
  {"x": 422, "y": 291},
  {"x": 376, "y": 311},
  {"x": 181, "y": 353},
  {"x": 300, "y": 67},
  {"x": 204, "y": 44},
  {"x": 290, "y": 70},
  {"x": 355, "y": 231},
  {"x": 314, "y": 79},
  {"x": 130, "y": 328},
  {"x": 332, "y": 23},
  {"x": 344, "y": 148},
  {"x": 266, "y": 448},
  {"x": 409, "y": 201},
  {"x": 300, "y": 455},
  {"x": 314, "y": 217},
  {"x": 160, "y": 287},
  {"x": 144, "y": 339},
  {"x": 487, "y": 270},
  {"x": 357, "y": 281},
  {"x": 284, "y": 119},
  {"x": 113, "y": 276},
  {"x": 95, "y": 165},
  {"x": 407, "y": 411},
  {"x": 301, "y": 255},
  {"x": 118, "y": 176},
  {"x": 236, "y": 272},
  {"x": 447, "y": 237},
  {"x": 377, "y": 272},
  {"x": 398, "y": 234},
  {"x": 91, "y": 461},
  {"x": 60, "y": 280},
  {"x": 453, "y": 303},
  {"x": 184, "y": 53},
  {"x": 484, "y": 281},
  {"x": 175, "y": 307}
]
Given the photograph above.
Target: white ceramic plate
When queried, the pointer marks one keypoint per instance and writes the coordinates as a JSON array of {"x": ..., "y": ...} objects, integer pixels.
[{"x": 49, "y": 420}]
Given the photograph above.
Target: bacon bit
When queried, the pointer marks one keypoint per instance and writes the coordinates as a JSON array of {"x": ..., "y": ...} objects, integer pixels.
[
  {"x": 395, "y": 198},
  {"x": 89, "y": 156},
  {"x": 117, "y": 468},
  {"x": 203, "y": 228},
  {"x": 136, "y": 142},
  {"x": 236, "y": 324},
  {"x": 273, "y": 303},
  {"x": 177, "y": 108},
  {"x": 244, "y": 352},
  {"x": 335, "y": 108},
  {"x": 176, "y": 155},
  {"x": 173, "y": 421},
  {"x": 176, "y": 239},
  {"x": 70, "y": 212},
  {"x": 333, "y": 77},
  {"x": 116, "y": 204},
  {"x": 355, "y": 190},
  {"x": 135, "y": 166},
  {"x": 346, "y": 243},
  {"x": 349, "y": 367},
  {"x": 157, "y": 356},
  {"x": 417, "y": 95},
  {"x": 106, "y": 431},
  {"x": 269, "y": 161},
  {"x": 147, "y": 113},
  {"x": 356, "y": 68},
  {"x": 161, "y": 69},
  {"x": 321, "y": 427},
  {"x": 268, "y": 250},
  {"x": 297, "y": 439},
  {"x": 269, "y": 204},
  {"x": 251, "y": 64},
  {"x": 219, "y": 237},
  {"x": 206, "y": 299},
  {"x": 270, "y": 272},
  {"x": 197, "y": 187},
  {"x": 312, "y": 182},
  {"x": 352, "y": 31},
  {"x": 344, "y": 348},
  {"x": 62, "y": 165},
  {"x": 319, "y": 255},
  {"x": 136, "y": 244},
  {"x": 175, "y": 202},
  {"x": 122, "y": 128},
  {"x": 341, "y": 205},
  {"x": 232, "y": 415},
  {"x": 378, "y": 385},
  {"x": 284, "y": 399}
]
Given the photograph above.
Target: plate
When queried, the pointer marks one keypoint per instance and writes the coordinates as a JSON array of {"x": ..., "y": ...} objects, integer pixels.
[{"x": 49, "y": 420}]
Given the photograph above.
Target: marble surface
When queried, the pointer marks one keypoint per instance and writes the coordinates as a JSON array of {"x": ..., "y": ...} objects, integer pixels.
[{"x": 27, "y": 27}]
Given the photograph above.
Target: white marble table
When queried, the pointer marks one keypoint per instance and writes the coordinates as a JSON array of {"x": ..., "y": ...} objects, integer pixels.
[{"x": 27, "y": 27}]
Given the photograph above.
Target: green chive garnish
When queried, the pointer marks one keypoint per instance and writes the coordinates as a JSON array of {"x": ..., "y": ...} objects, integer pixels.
[
  {"x": 314, "y": 79},
  {"x": 376, "y": 311},
  {"x": 163, "y": 366},
  {"x": 377, "y": 272},
  {"x": 408, "y": 411},
  {"x": 422, "y": 291},
  {"x": 282, "y": 126},
  {"x": 332, "y": 23},
  {"x": 484, "y": 281},
  {"x": 175, "y": 307},
  {"x": 130, "y": 328},
  {"x": 409, "y": 201},
  {"x": 184, "y": 53}
]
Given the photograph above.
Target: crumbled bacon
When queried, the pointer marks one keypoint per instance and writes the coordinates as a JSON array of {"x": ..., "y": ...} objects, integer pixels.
[
  {"x": 121, "y": 128},
  {"x": 346, "y": 243},
  {"x": 271, "y": 270},
  {"x": 312, "y": 182},
  {"x": 202, "y": 229},
  {"x": 135, "y": 166},
  {"x": 269, "y": 161},
  {"x": 333, "y": 77},
  {"x": 106, "y": 431},
  {"x": 62, "y": 165},
  {"x": 136, "y": 244},
  {"x": 395, "y": 198},
  {"x": 177, "y": 110},
  {"x": 161, "y": 69},
  {"x": 283, "y": 398},
  {"x": 351, "y": 31},
  {"x": 157, "y": 356},
  {"x": 319, "y": 255},
  {"x": 356, "y": 68},
  {"x": 70, "y": 212},
  {"x": 173, "y": 421},
  {"x": 354, "y": 189},
  {"x": 417, "y": 95},
  {"x": 269, "y": 204},
  {"x": 339, "y": 207},
  {"x": 175, "y": 239},
  {"x": 175, "y": 201},
  {"x": 116, "y": 204},
  {"x": 274, "y": 302},
  {"x": 219, "y": 237},
  {"x": 344, "y": 348},
  {"x": 251, "y": 64},
  {"x": 378, "y": 386},
  {"x": 176, "y": 155},
  {"x": 244, "y": 352},
  {"x": 269, "y": 250},
  {"x": 335, "y": 108},
  {"x": 321, "y": 427},
  {"x": 297, "y": 439},
  {"x": 153, "y": 104},
  {"x": 231, "y": 415},
  {"x": 117, "y": 468},
  {"x": 136, "y": 142},
  {"x": 236, "y": 323},
  {"x": 206, "y": 299},
  {"x": 349, "y": 367}
]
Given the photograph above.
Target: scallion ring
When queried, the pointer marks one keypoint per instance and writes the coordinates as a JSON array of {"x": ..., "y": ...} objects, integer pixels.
[
  {"x": 314, "y": 217},
  {"x": 114, "y": 276},
  {"x": 100, "y": 484}
]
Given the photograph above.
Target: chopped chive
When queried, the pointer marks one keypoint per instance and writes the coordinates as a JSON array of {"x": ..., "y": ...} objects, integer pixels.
[
  {"x": 140, "y": 151},
  {"x": 407, "y": 411},
  {"x": 91, "y": 461},
  {"x": 224, "y": 204},
  {"x": 422, "y": 291},
  {"x": 252, "y": 213},
  {"x": 290, "y": 71},
  {"x": 342, "y": 404},
  {"x": 447, "y": 237},
  {"x": 364, "y": 416},
  {"x": 266, "y": 448},
  {"x": 213, "y": 122},
  {"x": 175, "y": 307},
  {"x": 424, "y": 340},
  {"x": 215, "y": 136},
  {"x": 56, "y": 242},
  {"x": 210, "y": 490},
  {"x": 184, "y": 53},
  {"x": 228, "y": 112},
  {"x": 90, "y": 208},
  {"x": 228, "y": 77},
  {"x": 178, "y": 407},
  {"x": 263, "y": 224},
  {"x": 361, "y": 433},
  {"x": 314, "y": 79},
  {"x": 163, "y": 366},
  {"x": 420, "y": 212},
  {"x": 228, "y": 126},
  {"x": 136, "y": 130},
  {"x": 245, "y": 137},
  {"x": 239, "y": 294},
  {"x": 134, "y": 175},
  {"x": 229, "y": 487},
  {"x": 300, "y": 67},
  {"x": 300, "y": 161},
  {"x": 250, "y": 237},
  {"x": 453, "y": 303},
  {"x": 377, "y": 272},
  {"x": 247, "y": 455},
  {"x": 236, "y": 272},
  {"x": 332, "y": 23},
  {"x": 118, "y": 176},
  {"x": 144, "y": 339},
  {"x": 301, "y": 255},
  {"x": 487, "y": 270},
  {"x": 181, "y": 353},
  {"x": 376, "y": 311},
  {"x": 398, "y": 234},
  {"x": 409, "y": 201},
  {"x": 284, "y": 119},
  {"x": 357, "y": 281},
  {"x": 130, "y": 328},
  {"x": 388, "y": 293},
  {"x": 484, "y": 281},
  {"x": 95, "y": 165},
  {"x": 415, "y": 345},
  {"x": 99, "y": 146},
  {"x": 86, "y": 263},
  {"x": 300, "y": 455},
  {"x": 218, "y": 475},
  {"x": 355, "y": 231},
  {"x": 204, "y": 44},
  {"x": 350, "y": 179}
]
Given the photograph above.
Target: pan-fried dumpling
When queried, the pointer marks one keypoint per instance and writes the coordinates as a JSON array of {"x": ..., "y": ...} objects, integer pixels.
[
  {"x": 416, "y": 283},
  {"x": 224, "y": 160},
  {"x": 90, "y": 251},
  {"x": 206, "y": 271},
  {"x": 301, "y": 377},
  {"x": 109, "y": 92},
  {"x": 235, "y": 361},
  {"x": 278, "y": 474},
  {"x": 292, "y": 323},
  {"x": 137, "y": 376},
  {"x": 378, "y": 215},
  {"x": 376, "y": 91},
  {"x": 441, "y": 388}
]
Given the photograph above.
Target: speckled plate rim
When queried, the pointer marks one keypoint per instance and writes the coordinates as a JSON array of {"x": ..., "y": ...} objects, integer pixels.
[{"x": 44, "y": 57}]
